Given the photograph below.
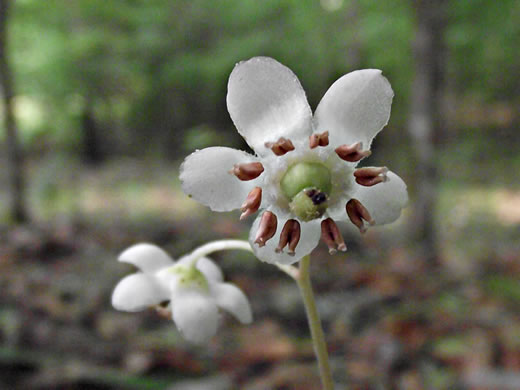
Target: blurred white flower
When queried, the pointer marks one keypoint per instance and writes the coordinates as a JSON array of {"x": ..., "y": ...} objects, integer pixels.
[
  {"x": 193, "y": 286},
  {"x": 304, "y": 173}
]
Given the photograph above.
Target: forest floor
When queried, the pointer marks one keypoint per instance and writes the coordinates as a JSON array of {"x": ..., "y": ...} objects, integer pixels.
[{"x": 391, "y": 320}]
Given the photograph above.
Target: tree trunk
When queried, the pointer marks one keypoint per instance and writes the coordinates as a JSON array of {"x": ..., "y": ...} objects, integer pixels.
[
  {"x": 92, "y": 152},
  {"x": 425, "y": 119},
  {"x": 18, "y": 212}
]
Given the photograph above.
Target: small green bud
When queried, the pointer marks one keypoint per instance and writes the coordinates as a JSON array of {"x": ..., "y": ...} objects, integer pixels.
[
  {"x": 190, "y": 276},
  {"x": 309, "y": 204},
  {"x": 304, "y": 175}
]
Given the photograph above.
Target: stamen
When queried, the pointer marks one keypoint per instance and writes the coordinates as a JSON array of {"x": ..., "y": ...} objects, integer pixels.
[
  {"x": 252, "y": 203},
  {"x": 290, "y": 235},
  {"x": 370, "y": 176},
  {"x": 266, "y": 228},
  {"x": 331, "y": 235},
  {"x": 352, "y": 153},
  {"x": 357, "y": 213},
  {"x": 164, "y": 311},
  {"x": 247, "y": 171},
  {"x": 316, "y": 139},
  {"x": 280, "y": 147}
]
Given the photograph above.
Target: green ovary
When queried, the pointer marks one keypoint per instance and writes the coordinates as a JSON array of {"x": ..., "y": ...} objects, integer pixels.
[
  {"x": 190, "y": 275},
  {"x": 305, "y": 175},
  {"x": 307, "y": 185}
]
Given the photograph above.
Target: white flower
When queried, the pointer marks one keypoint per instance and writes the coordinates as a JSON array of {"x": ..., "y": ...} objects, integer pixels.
[
  {"x": 193, "y": 286},
  {"x": 304, "y": 173}
]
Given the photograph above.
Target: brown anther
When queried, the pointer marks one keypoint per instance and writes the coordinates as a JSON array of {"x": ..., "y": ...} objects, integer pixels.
[
  {"x": 280, "y": 147},
  {"x": 331, "y": 235},
  {"x": 290, "y": 236},
  {"x": 266, "y": 228},
  {"x": 316, "y": 139},
  {"x": 352, "y": 153},
  {"x": 164, "y": 311},
  {"x": 247, "y": 171},
  {"x": 370, "y": 176},
  {"x": 357, "y": 214},
  {"x": 252, "y": 203}
]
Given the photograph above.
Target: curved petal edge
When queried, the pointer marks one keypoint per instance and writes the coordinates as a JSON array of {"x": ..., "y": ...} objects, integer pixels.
[
  {"x": 266, "y": 101},
  {"x": 147, "y": 257},
  {"x": 355, "y": 108},
  {"x": 384, "y": 201},
  {"x": 205, "y": 176}
]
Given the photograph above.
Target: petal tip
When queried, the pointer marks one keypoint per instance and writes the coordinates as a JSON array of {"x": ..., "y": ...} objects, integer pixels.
[
  {"x": 196, "y": 316},
  {"x": 146, "y": 257},
  {"x": 136, "y": 292},
  {"x": 266, "y": 101}
]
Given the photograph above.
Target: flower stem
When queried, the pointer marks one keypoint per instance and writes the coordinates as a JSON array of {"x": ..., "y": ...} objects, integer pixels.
[
  {"x": 218, "y": 245},
  {"x": 318, "y": 339},
  {"x": 290, "y": 270}
]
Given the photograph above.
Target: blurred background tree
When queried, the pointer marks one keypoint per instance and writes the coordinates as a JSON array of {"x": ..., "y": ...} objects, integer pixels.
[
  {"x": 18, "y": 212},
  {"x": 152, "y": 70},
  {"x": 425, "y": 118}
]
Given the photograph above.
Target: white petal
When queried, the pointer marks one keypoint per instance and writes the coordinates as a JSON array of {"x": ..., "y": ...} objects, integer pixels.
[
  {"x": 207, "y": 266},
  {"x": 230, "y": 298},
  {"x": 309, "y": 239},
  {"x": 210, "y": 270},
  {"x": 343, "y": 184},
  {"x": 266, "y": 101},
  {"x": 338, "y": 211},
  {"x": 355, "y": 108},
  {"x": 166, "y": 278},
  {"x": 137, "y": 292},
  {"x": 205, "y": 177},
  {"x": 384, "y": 201},
  {"x": 196, "y": 315},
  {"x": 147, "y": 257}
]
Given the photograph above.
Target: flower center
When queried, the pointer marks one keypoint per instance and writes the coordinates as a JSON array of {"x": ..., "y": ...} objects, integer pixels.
[
  {"x": 307, "y": 185},
  {"x": 190, "y": 276}
]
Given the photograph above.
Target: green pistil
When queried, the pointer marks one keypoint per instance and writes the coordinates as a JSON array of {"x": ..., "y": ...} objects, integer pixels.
[
  {"x": 307, "y": 206},
  {"x": 307, "y": 185},
  {"x": 304, "y": 175}
]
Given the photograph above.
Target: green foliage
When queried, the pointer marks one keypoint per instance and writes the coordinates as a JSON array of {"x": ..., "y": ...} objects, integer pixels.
[
  {"x": 503, "y": 287},
  {"x": 152, "y": 70},
  {"x": 483, "y": 37}
]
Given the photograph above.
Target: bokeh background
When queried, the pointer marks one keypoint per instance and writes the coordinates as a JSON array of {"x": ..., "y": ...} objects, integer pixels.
[{"x": 102, "y": 100}]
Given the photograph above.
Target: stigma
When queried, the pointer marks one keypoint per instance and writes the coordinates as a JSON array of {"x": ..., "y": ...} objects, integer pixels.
[{"x": 308, "y": 204}]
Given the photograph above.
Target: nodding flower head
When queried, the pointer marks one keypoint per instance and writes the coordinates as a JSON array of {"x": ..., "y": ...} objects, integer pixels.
[
  {"x": 190, "y": 291},
  {"x": 304, "y": 176}
]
